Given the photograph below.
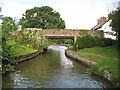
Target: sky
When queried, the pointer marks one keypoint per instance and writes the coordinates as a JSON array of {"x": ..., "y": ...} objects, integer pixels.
[{"x": 78, "y": 14}]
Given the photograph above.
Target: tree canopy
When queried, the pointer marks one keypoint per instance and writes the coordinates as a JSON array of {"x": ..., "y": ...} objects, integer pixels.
[
  {"x": 115, "y": 17},
  {"x": 8, "y": 25},
  {"x": 42, "y": 17}
]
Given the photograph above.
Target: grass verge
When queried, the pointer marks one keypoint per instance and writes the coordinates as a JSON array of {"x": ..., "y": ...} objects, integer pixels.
[
  {"x": 19, "y": 49},
  {"x": 110, "y": 65},
  {"x": 110, "y": 51}
]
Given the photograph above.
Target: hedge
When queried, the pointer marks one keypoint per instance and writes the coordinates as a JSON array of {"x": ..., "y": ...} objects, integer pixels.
[{"x": 89, "y": 41}]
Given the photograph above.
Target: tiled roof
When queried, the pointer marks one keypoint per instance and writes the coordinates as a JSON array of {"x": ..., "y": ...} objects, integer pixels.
[{"x": 98, "y": 25}]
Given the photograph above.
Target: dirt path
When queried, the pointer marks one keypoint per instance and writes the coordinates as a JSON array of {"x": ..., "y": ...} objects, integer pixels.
[{"x": 101, "y": 56}]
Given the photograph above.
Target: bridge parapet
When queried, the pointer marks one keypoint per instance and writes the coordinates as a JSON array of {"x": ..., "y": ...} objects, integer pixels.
[
  {"x": 94, "y": 33},
  {"x": 60, "y": 32},
  {"x": 66, "y": 33}
]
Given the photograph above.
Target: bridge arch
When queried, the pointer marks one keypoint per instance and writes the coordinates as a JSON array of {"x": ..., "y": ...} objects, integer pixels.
[{"x": 63, "y": 37}]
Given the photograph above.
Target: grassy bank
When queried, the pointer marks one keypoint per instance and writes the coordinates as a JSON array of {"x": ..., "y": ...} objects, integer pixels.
[
  {"x": 103, "y": 63},
  {"x": 110, "y": 51},
  {"x": 19, "y": 49}
]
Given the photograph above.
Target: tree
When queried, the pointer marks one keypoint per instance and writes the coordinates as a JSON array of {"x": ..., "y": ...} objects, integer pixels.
[
  {"x": 42, "y": 17},
  {"x": 8, "y": 25},
  {"x": 115, "y": 17},
  {"x": 33, "y": 38}
]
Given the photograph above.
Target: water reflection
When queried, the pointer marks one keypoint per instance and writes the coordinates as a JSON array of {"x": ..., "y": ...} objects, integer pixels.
[
  {"x": 19, "y": 81},
  {"x": 51, "y": 70},
  {"x": 65, "y": 62}
]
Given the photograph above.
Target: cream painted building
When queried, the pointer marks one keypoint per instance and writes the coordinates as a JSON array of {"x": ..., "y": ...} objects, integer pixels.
[{"x": 106, "y": 28}]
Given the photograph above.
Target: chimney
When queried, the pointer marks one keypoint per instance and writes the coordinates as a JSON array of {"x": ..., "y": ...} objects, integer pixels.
[
  {"x": 102, "y": 19},
  {"x": 98, "y": 21}
]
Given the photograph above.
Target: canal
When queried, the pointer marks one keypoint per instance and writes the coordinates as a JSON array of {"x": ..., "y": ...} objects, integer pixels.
[{"x": 52, "y": 70}]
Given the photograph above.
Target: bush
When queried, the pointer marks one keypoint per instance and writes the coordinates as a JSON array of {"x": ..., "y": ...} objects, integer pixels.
[
  {"x": 86, "y": 42},
  {"x": 33, "y": 38},
  {"x": 89, "y": 41},
  {"x": 7, "y": 57},
  {"x": 107, "y": 42}
]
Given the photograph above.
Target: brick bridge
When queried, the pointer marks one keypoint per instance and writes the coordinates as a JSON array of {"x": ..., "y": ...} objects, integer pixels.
[{"x": 65, "y": 33}]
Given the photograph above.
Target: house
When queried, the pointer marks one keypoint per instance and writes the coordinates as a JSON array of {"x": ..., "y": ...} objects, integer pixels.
[
  {"x": 100, "y": 23},
  {"x": 106, "y": 28},
  {"x": 104, "y": 24}
]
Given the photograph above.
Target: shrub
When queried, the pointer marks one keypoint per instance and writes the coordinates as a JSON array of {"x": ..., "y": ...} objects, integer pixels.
[
  {"x": 107, "y": 42},
  {"x": 33, "y": 38},
  {"x": 86, "y": 42},
  {"x": 89, "y": 41},
  {"x": 7, "y": 57}
]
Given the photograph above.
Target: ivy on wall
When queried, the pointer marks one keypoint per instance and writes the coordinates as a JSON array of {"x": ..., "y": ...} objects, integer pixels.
[{"x": 84, "y": 32}]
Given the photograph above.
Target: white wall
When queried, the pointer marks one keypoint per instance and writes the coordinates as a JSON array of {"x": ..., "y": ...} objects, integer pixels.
[{"x": 107, "y": 28}]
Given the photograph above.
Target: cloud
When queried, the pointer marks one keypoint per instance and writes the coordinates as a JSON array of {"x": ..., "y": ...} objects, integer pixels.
[
  {"x": 77, "y": 14},
  {"x": 15, "y": 9},
  {"x": 81, "y": 15}
]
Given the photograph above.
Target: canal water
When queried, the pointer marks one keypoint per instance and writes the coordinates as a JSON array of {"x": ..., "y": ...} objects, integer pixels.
[{"x": 51, "y": 70}]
